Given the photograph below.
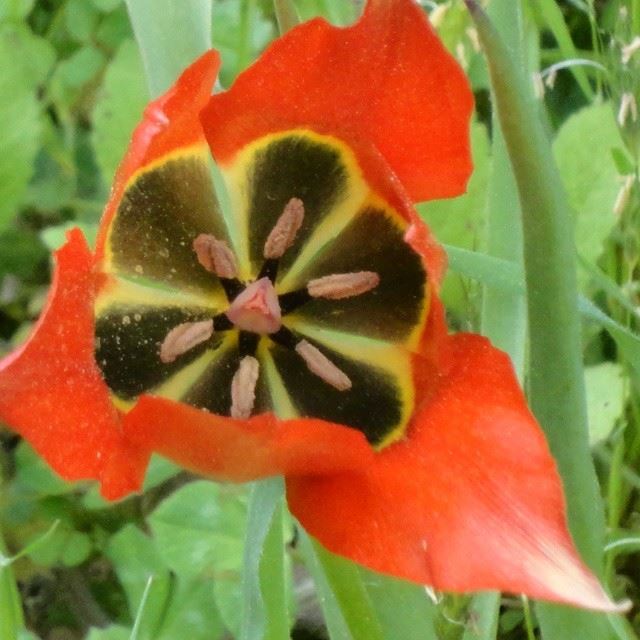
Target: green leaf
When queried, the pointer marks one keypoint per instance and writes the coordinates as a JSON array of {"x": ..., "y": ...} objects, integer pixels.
[
  {"x": 227, "y": 33},
  {"x": 178, "y": 33},
  {"x": 192, "y": 613},
  {"x": 81, "y": 19},
  {"x": 582, "y": 150},
  {"x": 15, "y": 9},
  {"x": 346, "y": 604},
  {"x": 556, "y": 384},
  {"x": 199, "y": 528},
  {"x": 24, "y": 61},
  {"x": 63, "y": 546},
  {"x": 404, "y": 609},
  {"x": 483, "y": 616},
  {"x": 106, "y": 6},
  {"x": 121, "y": 101},
  {"x": 136, "y": 559},
  {"x": 73, "y": 74},
  {"x": 33, "y": 473},
  {"x": 606, "y": 397},
  {"x": 264, "y": 584}
]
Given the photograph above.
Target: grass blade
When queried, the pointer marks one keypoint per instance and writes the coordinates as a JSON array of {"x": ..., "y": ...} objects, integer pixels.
[{"x": 11, "y": 617}]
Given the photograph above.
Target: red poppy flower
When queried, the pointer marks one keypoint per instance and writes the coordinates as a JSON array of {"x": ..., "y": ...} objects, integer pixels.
[{"x": 295, "y": 328}]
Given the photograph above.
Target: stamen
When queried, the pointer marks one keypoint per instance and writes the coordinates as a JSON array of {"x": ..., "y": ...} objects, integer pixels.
[
  {"x": 183, "y": 338},
  {"x": 343, "y": 285},
  {"x": 243, "y": 388},
  {"x": 319, "y": 364},
  {"x": 284, "y": 231},
  {"x": 215, "y": 256}
]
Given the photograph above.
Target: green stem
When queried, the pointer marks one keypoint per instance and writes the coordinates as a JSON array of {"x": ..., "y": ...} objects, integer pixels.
[{"x": 556, "y": 385}]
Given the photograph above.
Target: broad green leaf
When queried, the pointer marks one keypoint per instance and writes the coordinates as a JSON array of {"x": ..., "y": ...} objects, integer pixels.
[
  {"x": 582, "y": 150},
  {"x": 22, "y": 252},
  {"x": 106, "y": 6},
  {"x": 178, "y": 33},
  {"x": 482, "y": 617},
  {"x": 15, "y": 9},
  {"x": 114, "y": 29},
  {"x": 81, "y": 19},
  {"x": 265, "y": 613},
  {"x": 64, "y": 546},
  {"x": 24, "y": 62},
  {"x": 606, "y": 397},
  {"x": 73, "y": 75},
  {"x": 199, "y": 529},
  {"x": 33, "y": 473},
  {"x": 346, "y": 604},
  {"x": 136, "y": 559},
  {"x": 192, "y": 612},
  {"x": 120, "y": 103},
  {"x": 404, "y": 609}
]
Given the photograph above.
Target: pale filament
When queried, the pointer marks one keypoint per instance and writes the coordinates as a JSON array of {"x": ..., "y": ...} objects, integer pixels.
[
  {"x": 284, "y": 232},
  {"x": 243, "y": 388},
  {"x": 215, "y": 256},
  {"x": 322, "y": 367},
  {"x": 184, "y": 337},
  {"x": 343, "y": 285}
]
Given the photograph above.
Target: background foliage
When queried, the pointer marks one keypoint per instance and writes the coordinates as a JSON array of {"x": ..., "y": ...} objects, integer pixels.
[{"x": 194, "y": 559}]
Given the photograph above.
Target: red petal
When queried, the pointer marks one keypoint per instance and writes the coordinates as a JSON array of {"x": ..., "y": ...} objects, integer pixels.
[
  {"x": 471, "y": 500},
  {"x": 170, "y": 122},
  {"x": 242, "y": 450},
  {"x": 52, "y": 393},
  {"x": 387, "y": 80}
]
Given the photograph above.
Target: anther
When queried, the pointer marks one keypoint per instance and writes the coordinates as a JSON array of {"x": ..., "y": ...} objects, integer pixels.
[
  {"x": 343, "y": 285},
  {"x": 284, "y": 231},
  {"x": 243, "y": 388},
  {"x": 183, "y": 338},
  {"x": 321, "y": 366},
  {"x": 215, "y": 256}
]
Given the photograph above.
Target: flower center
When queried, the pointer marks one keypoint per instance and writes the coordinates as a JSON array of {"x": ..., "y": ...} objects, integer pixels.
[{"x": 256, "y": 309}]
